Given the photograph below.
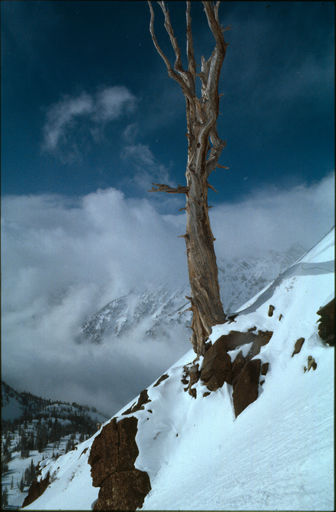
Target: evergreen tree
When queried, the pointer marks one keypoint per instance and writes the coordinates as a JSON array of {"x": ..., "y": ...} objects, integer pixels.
[{"x": 4, "y": 498}]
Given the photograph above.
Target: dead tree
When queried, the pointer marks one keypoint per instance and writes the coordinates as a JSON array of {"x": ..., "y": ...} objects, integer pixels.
[{"x": 204, "y": 150}]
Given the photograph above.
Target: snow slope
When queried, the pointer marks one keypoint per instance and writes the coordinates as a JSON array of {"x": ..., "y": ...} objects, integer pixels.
[
  {"x": 22, "y": 416},
  {"x": 276, "y": 455}
]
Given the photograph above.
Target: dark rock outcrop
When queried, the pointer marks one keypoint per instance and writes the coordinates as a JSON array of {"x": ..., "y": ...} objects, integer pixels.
[
  {"x": 216, "y": 367},
  {"x": 112, "y": 457},
  {"x": 143, "y": 399},
  {"x": 326, "y": 328},
  {"x": 264, "y": 369},
  {"x": 36, "y": 490},
  {"x": 191, "y": 375},
  {"x": 311, "y": 363},
  {"x": 123, "y": 491},
  {"x": 243, "y": 373},
  {"x": 270, "y": 310},
  {"x": 245, "y": 389},
  {"x": 161, "y": 379},
  {"x": 298, "y": 346},
  {"x": 235, "y": 339},
  {"x": 237, "y": 366}
]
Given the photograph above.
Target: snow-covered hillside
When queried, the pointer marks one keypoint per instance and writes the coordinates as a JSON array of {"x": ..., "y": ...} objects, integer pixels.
[
  {"x": 196, "y": 443},
  {"x": 36, "y": 429}
]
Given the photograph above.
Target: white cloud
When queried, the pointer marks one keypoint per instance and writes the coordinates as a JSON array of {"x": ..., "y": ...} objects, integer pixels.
[
  {"x": 146, "y": 168},
  {"x": 272, "y": 218},
  {"x": 64, "y": 259},
  {"x": 111, "y": 102},
  {"x": 61, "y": 115},
  {"x": 107, "y": 105}
]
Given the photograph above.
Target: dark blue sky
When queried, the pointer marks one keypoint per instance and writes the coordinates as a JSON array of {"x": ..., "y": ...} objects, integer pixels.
[{"x": 87, "y": 103}]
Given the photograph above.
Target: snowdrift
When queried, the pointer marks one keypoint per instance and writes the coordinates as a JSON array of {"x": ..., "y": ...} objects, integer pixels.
[{"x": 184, "y": 444}]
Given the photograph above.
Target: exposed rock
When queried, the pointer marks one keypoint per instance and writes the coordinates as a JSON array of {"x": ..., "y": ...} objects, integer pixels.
[
  {"x": 191, "y": 375},
  {"x": 161, "y": 379},
  {"x": 264, "y": 369},
  {"x": 143, "y": 399},
  {"x": 235, "y": 339},
  {"x": 193, "y": 392},
  {"x": 206, "y": 393},
  {"x": 36, "y": 490},
  {"x": 270, "y": 310},
  {"x": 112, "y": 457},
  {"x": 194, "y": 375},
  {"x": 232, "y": 318},
  {"x": 326, "y": 328},
  {"x": 311, "y": 364},
  {"x": 123, "y": 491},
  {"x": 237, "y": 366},
  {"x": 216, "y": 367},
  {"x": 298, "y": 346},
  {"x": 245, "y": 389},
  {"x": 280, "y": 317},
  {"x": 261, "y": 339}
]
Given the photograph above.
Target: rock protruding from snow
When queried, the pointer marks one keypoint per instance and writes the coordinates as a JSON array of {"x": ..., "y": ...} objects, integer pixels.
[
  {"x": 245, "y": 389},
  {"x": 243, "y": 373},
  {"x": 137, "y": 406},
  {"x": 326, "y": 328},
  {"x": 36, "y": 490},
  {"x": 216, "y": 368},
  {"x": 298, "y": 346},
  {"x": 112, "y": 457}
]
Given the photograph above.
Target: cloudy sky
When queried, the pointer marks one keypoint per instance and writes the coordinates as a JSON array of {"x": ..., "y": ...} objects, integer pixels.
[{"x": 90, "y": 119}]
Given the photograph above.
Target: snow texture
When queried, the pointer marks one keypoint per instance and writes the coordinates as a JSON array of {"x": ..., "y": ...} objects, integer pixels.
[{"x": 276, "y": 455}]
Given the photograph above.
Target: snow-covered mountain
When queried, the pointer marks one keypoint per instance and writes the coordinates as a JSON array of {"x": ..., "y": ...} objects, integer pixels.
[
  {"x": 248, "y": 426},
  {"x": 156, "y": 312},
  {"x": 33, "y": 430}
]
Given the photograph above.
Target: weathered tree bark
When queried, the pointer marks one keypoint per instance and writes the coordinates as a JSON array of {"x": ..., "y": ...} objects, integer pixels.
[{"x": 204, "y": 150}]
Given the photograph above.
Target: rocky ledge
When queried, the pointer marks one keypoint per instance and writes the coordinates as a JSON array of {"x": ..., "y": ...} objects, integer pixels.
[
  {"x": 112, "y": 457},
  {"x": 243, "y": 373}
]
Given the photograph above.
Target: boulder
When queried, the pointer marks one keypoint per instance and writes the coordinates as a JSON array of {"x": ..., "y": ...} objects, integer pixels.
[
  {"x": 271, "y": 308},
  {"x": 245, "y": 389},
  {"x": 326, "y": 328},
  {"x": 298, "y": 346},
  {"x": 216, "y": 368},
  {"x": 237, "y": 366},
  {"x": 112, "y": 457},
  {"x": 123, "y": 491}
]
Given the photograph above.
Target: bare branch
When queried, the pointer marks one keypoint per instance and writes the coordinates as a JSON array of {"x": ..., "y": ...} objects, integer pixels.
[
  {"x": 160, "y": 187},
  {"x": 216, "y": 9},
  {"x": 212, "y": 188},
  {"x": 222, "y": 166},
  {"x": 179, "y": 75},
  {"x": 190, "y": 46},
  {"x": 173, "y": 40},
  {"x": 218, "y": 54},
  {"x": 156, "y": 44}
]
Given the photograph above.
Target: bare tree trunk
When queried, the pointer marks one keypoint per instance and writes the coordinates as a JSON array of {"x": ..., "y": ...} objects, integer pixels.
[{"x": 204, "y": 149}]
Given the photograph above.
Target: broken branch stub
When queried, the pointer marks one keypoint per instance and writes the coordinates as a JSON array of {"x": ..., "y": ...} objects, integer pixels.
[{"x": 160, "y": 187}]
